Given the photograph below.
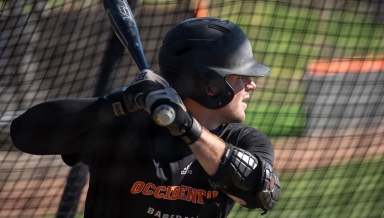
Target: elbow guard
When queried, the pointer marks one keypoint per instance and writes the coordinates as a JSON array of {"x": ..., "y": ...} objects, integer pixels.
[{"x": 249, "y": 178}]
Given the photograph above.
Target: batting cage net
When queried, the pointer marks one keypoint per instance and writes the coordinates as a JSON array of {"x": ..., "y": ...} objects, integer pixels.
[{"x": 322, "y": 105}]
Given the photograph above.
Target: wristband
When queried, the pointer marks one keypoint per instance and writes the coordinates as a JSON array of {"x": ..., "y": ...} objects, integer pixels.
[
  {"x": 192, "y": 134},
  {"x": 116, "y": 99}
]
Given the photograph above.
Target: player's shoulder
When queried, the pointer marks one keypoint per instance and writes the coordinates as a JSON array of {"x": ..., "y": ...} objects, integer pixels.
[
  {"x": 239, "y": 133},
  {"x": 244, "y": 134},
  {"x": 250, "y": 139},
  {"x": 241, "y": 129}
]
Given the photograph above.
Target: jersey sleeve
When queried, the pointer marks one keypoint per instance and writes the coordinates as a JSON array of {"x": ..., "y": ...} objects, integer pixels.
[
  {"x": 93, "y": 142},
  {"x": 56, "y": 127},
  {"x": 250, "y": 139},
  {"x": 256, "y": 142},
  {"x": 104, "y": 142}
]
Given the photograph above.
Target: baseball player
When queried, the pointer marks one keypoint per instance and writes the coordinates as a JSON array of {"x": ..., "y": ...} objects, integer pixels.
[{"x": 197, "y": 165}]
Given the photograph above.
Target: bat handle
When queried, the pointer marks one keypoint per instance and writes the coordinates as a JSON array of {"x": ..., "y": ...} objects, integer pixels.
[{"x": 164, "y": 115}]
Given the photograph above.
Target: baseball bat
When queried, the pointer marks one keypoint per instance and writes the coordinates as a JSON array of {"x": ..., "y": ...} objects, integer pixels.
[{"x": 124, "y": 24}]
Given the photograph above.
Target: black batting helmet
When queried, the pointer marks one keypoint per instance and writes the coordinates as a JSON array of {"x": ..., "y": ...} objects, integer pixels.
[{"x": 202, "y": 51}]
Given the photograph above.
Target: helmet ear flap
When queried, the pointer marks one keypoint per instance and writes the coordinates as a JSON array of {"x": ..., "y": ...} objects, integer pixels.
[
  {"x": 224, "y": 94},
  {"x": 192, "y": 82}
]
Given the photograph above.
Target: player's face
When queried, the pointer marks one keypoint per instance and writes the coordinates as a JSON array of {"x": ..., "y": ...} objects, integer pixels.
[{"x": 235, "y": 110}]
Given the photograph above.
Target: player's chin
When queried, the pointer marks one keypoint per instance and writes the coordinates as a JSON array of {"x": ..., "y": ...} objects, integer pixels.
[
  {"x": 235, "y": 120},
  {"x": 239, "y": 117}
]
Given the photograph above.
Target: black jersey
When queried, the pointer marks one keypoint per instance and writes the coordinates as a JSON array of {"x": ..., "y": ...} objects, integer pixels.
[{"x": 137, "y": 169}]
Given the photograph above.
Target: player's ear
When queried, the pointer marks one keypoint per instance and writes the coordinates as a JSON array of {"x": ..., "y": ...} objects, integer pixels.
[{"x": 212, "y": 90}]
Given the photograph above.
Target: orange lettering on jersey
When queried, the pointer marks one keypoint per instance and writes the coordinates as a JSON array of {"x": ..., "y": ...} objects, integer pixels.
[
  {"x": 215, "y": 193},
  {"x": 157, "y": 193},
  {"x": 168, "y": 193},
  {"x": 200, "y": 194},
  {"x": 208, "y": 194},
  {"x": 183, "y": 192},
  {"x": 137, "y": 187},
  {"x": 146, "y": 190},
  {"x": 191, "y": 196},
  {"x": 175, "y": 193},
  {"x": 183, "y": 188},
  {"x": 211, "y": 194}
]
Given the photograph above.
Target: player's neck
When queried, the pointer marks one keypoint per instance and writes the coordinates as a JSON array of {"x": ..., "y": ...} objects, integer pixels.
[{"x": 204, "y": 116}]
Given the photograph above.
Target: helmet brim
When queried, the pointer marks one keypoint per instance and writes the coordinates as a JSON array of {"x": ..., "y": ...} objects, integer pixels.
[{"x": 252, "y": 69}]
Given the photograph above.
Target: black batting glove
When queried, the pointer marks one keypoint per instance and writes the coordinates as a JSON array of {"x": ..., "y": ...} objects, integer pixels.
[
  {"x": 166, "y": 103},
  {"x": 146, "y": 82}
]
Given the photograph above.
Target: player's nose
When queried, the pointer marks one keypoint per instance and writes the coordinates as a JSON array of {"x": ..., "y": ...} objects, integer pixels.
[{"x": 250, "y": 83}]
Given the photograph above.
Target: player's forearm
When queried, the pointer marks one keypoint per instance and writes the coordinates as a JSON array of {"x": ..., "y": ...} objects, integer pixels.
[
  {"x": 52, "y": 127},
  {"x": 208, "y": 151}
]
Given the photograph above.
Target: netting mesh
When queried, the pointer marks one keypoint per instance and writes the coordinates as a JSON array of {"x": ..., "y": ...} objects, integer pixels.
[{"x": 322, "y": 105}]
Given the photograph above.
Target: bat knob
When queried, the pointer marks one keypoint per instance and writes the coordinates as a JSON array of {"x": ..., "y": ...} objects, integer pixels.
[{"x": 164, "y": 115}]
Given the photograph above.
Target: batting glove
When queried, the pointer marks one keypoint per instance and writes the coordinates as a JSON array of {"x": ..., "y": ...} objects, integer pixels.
[
  {"x": 146, "y": 82},
  {"x": 167, "y": 109}
]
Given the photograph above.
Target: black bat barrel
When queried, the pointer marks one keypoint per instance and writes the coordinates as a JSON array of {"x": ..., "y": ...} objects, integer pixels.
[{"x": 124, "y": 25}]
